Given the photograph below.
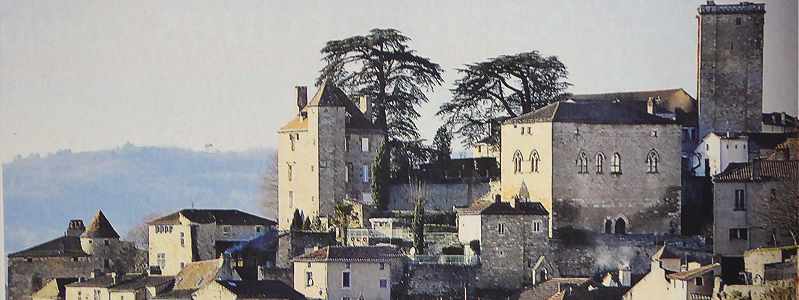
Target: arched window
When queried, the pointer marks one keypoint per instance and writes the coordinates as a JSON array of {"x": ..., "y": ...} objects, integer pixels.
[
  {"x": 517, "y": 162},
  {"x": 534, "y": 161},
  {"x": 615, "y": 164},
  {"x": 582, "y": 163},
  {"x": 621, "y": 226},
  {"x": 600, "y": 162},
  {"x": 652, "y": 159},
  {"x": 608, "y": 226}
]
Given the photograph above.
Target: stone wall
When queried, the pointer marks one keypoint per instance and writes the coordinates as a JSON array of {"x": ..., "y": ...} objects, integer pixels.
[
  {"x": 443, "y": 196},
  {"x": 440, "y": 280}
]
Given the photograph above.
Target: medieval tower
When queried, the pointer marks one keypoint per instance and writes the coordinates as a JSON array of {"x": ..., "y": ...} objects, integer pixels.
[{"x": 730, "y": 67}]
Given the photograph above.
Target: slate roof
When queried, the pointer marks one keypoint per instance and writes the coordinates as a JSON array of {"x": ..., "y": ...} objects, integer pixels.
[
  {"x": 328, "y": 95},
  {"x": 691, "y": 274},
  {"x": 675, "y": 101},
  {"x": 764, "y": 170},
  {"x": 65, "y": 246},
  {"x": 271, "y": 289},
  {"x": 100, "y": 228},
  {"x": 589, "y": 112},
  {"x": 143, "y": 281},
  {"x": 504, "y": 208},
  {"x": 218, "y": 216},
  {"x": 347, "y": 254},
  {"x": 743, "y": 7}
]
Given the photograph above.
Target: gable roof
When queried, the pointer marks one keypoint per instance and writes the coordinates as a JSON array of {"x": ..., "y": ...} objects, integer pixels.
[
  {"x": 100, "y": 228},
  {"x": 328, "y": 95},
  {"x": 272, "y": 289},
  {"x": 64, "y": 246},
  {"x": 589, "y": 112},
  {"x": 217, "y": 216},
  {"x": 347, "y": 254},
  {"x": 759, "y": 170},
  {"x": 669, "y": 101},
  {"x": 504, "y": 208}
]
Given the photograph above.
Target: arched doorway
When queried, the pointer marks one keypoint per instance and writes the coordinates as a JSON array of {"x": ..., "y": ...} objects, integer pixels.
[
  {"x": 608, "y": 226},
  {"x": 621, "y": 226}
]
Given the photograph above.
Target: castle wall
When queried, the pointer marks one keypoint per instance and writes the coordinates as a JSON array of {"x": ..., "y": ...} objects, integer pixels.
[
  {"x": 301, "y": 185},
  {"x": 442, "y": 196}
]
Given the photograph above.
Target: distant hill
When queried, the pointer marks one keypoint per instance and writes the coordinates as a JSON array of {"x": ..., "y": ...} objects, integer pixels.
[{"x": 128, "y": 183}]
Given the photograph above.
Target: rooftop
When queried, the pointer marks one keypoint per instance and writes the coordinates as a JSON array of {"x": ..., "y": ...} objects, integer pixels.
[
  {"x": 100, "y": 228},
  {"x": 504, "y": 208},
  {"x": 330, "y": 95},
  {"x": 351, "y": 254},
  {"x": 759, "y": 170},
  {"x": 218, "y": 216},
  {"x": 691, "y": 274},
  {"x": 744, "y": 7},
  {"x": 272, "y": 289},
  {"x": 65, "y": 246},
  {"x": 589, "y": 112}
]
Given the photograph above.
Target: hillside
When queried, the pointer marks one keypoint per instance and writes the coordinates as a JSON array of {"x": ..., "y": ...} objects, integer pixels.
[{"x": 128, "y": 183}]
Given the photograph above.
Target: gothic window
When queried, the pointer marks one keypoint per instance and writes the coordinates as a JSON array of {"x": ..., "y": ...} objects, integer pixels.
[
  {"x": 608, "y": 226},
  {"x": 534, "y": 161},
  {"x": 600, "y": 162},
  {"x": 652, "y": 159},
  {"x": 615, "y": 164},
  {"x": 517, "y": 161},
  {"x": 582, "y": 163},
  {"x": 621, "y": 226}
]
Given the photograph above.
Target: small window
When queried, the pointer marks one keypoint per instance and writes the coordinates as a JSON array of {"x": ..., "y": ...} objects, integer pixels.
[
  {"x": 534, "y": 161},
  {"x": 259, "y": 229},
  {"x": 740, "y": 200},
  {"x": 698, "y": 281},
  {"x": 739, "y": 234},
  {"x": 383, "y": 283},
  {"x": 291, "y": 199},
  {"x": 382, "y": 266},
  {"x": 738, "y": 21},
  {"x": 365, "y": 173},
  {"x": 537, "y": 226},
  {"x": 308, "y": 279},
  {"x": 615, "y": 164},
  {"x": 600, "y": 162},
  {"x": 348, "y": 172},
  {"x": 347, "y": 143},
  {"x": 106, "y": 242},
  {"x": 291, "y": 141},
  {"x": 517, "y": 162},
  {"x": 501, "y": 228},
  {"x": 652, "y": 161},
  {"x": 364, "y": 144},
  {"x": 582, "y": 163},
  {"x": 182, "y": 240},
  {"x": 345, "y": 279},
  {"x": 347, "y": 265},
  {"x": 74, "y": 259},
  {"x": 345, "y": 298},
  {"x": 290, "y": 172}
]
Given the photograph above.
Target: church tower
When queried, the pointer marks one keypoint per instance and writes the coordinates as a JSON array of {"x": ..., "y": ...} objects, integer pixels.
[{"x": 730, "y": 67}]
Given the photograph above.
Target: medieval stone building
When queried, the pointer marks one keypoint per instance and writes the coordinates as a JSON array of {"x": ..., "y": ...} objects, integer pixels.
[
  {"x": 730, "y": 70},
  {"x": 325, "y": 154},
  {"x": 77, "y": 254}
]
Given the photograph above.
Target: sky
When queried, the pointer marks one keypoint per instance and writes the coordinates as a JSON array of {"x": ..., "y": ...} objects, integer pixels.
[{"x": 89, "y": 75}]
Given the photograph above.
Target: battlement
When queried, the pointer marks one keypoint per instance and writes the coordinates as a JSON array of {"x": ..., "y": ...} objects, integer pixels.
[{"x": 740, "y": 8}]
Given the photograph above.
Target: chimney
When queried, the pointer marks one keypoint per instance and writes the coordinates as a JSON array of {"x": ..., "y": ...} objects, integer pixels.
[
  {"x": 302, "y": 97},
  {"x": 366, "y": 106},
  {"x": 75, "y": 228},
  {"x": 113, "y": 277},
  {"x": 625, "y": 276}
]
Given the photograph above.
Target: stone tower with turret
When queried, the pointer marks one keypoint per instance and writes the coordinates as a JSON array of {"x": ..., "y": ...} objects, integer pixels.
[
  {"x": 325, "y": 154},
  {"x": 730, "y": 67}
]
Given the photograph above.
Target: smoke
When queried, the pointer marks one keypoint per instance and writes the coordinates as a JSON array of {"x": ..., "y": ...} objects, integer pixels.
[
  {"x": 612, "y": 258},
  {"x": 264, "y": 242}
]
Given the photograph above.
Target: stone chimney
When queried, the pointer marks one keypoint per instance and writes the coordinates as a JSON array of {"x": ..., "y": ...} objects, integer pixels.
[
  {"x": 302, "y": 97},
  {"x": 75, "y": 228},
  {"x": 625, "y": 276},
  {"x": 365, "y": 104}
]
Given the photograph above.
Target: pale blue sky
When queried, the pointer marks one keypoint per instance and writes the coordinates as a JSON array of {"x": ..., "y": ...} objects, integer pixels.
[{"x": 91, "y": 75}]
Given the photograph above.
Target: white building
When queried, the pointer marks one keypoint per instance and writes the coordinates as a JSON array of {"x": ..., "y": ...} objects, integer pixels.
[{"x": 716, "y": 151}]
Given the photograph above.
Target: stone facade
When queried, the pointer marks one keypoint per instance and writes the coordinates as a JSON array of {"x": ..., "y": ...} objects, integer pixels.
[
  {"x": 730, "y": 70},
  {"x": 443, "y": 196},
  {"x": 436, "y": 280},
  {"x": 325, "y": 154},
  {"x": 574, "y": 176}
]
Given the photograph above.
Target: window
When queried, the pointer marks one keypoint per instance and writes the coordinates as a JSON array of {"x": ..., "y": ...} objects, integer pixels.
[
  {"x": 582, "y": 163},
  {"x": 308, "y": 278},
  {"x": 383, "y": 283},
  {"x": 161, "y": 260},
  {"x": 364, "y": 144},
  {"x": 346, "y": 143},
  {"x": 517, "y": 162},
  {"x": 290, "y": 172},
  {"x": 534, "y": 161},
  {"x": 698, "y": 281},
  {"x": 615, "y": 164},
  {"x": 182, "y": 264},
  {"x": 740, "y": 200},
  {"x": 291, "y": 141},
  {"x": 501, "y": 228},
  {"x": 182, "y": 240},
  {"x": 608, "y": 226},
  {"x": 106, "y": 242},
  {"x": 259, "y": 229},
  {"x": 226, "y": 230},
  {"x": 365, "y": 173},
  {"x": 537, "y": 226},
  {"x": 345, "y": 279},
  {"x": 738, "y": 21},
  {"x": 652, "y": 161},
  {"x": 382, "y": 266},
  {"x": 348, "y": 172},
  {"x": 739, "y": 234},
  {"x": 291, "y": 199},
  {"x": 600, "y": 162}
]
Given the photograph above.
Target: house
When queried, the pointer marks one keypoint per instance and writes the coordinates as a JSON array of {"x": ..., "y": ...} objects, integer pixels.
[
  {"x": 510, "y": 241},
  {"x": 325, "y": 154},
  {"x": 192, "y": 235},
  {"x": 196, "y": 275},
  {"x": 741, "y": 197},
  {"x": 76, "y": 254},
  {"x": 670, "y": 278},
  {"x": 118, "y": 287},
  {"x": 717, "y": 150},
  {"x": 55, "y": 289},
  {"x": 248, "y": 289},
  {"x": 596, "y": 165},
  {"x": 340, "y": 272}
]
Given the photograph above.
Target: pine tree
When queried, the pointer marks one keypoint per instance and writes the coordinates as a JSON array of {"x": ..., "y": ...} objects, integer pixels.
[
  {"x": 296, "y": 221},
  {"x": 419, "y": 194},
  {"x": 381, "y": 169},
  {"x": 307, "y": 224}
]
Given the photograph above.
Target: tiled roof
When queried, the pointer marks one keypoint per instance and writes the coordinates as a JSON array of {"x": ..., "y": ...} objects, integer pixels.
[
  {"x": 691, "y": 274},
  {"x": 330, "y": 95},
  {"x": 196, "y": 274},
  {"x": 743, "y": 7},
  {"x": 100, "y": 228},
  {"x": 271, "y": 289},
  {"x": 218, "y": 216},
  {"x": 143, "y": 281},
  {"x": 344, "y": 253},
  {"x": 760, "y": 170},
  {"x": 589, "y": 112},
  {"x": 65, "y": 246},
  {"x": 504, "y": 208}
]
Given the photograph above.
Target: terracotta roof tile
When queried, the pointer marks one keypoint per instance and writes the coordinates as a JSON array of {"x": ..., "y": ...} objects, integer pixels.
[
  {"x": 760, "y": 170},
  {"x": 261, "y": 289}
]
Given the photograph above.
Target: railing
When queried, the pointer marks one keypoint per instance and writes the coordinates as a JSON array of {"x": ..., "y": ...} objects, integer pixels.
[{"x": 466, "y": 260}]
